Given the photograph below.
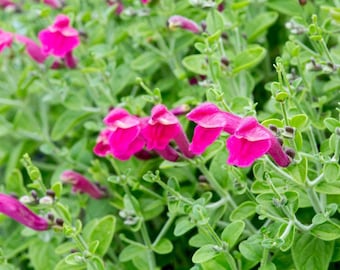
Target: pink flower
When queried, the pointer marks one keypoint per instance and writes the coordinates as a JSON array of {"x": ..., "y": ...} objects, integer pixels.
[
  {"x": 8, "y": 4},
  {"x": 119, "y": 5},
  {"x": 211, "y": 121},
  {"x": 144, "y": 2},
  {"x": 124, "y": 134},
  {"x": 6, "y": 39},
  {"x": 248, "y": 141},
  {"x": 102, "y": 147},
  {"x": 184, "y": 23},
  {"x": 14, "y": 209},
  {"x": 33, "y": 49},
  {"x": 251, "y": 141},
  {"x": 54, "y": 3},
  {"x": 59, "y": 39},
  {"x": 82, "y": 184},
  {"x": 162, "y": 127}
]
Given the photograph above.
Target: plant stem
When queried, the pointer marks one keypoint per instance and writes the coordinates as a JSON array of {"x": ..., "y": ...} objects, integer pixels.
[
  {"x": 165, "y": 228},
  {"x": 147, "y": 241}
]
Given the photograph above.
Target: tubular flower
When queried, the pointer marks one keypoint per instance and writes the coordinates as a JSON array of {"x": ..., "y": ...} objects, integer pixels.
[
  {"x": 176, "y": 21},
  {"x": 124, "y": 135},
  {"x": 59, "y": 38},
  {"x": 162, "y": 127},
  {"x": 54, "y": 3},
  {"x": 14, "y": 209},
  {"x": 144, "y": 2},
  {"x": 6, "y": 39},
  {"x": 8, "y": 4},
  {"x": 211, "y": 121},
  {"x": 32, "y": 48},
  {"x": 82, "y": 184},
  {"x": 251, "y": 141},
  {"x": 102, "y": 147}
]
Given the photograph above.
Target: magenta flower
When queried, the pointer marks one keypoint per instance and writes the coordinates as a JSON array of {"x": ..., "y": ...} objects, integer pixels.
[
  {"x": 6, "y": 39},
  {"x": 162, "y": 127},
  {"x": 59, "y": 38},
  {"x": 144, "y": 2},
  {"x": 119, "y": 5},
  {"x": 248, "y": 141},
  {"x": 33, "y": 49},
  {"x": 14, "y": 209},
  {"x": 184, "y": 23},
  {"x": 54, "y": 3},
  {"x": 81, "y": 184},
  {"x": 124, "y": 134},
  {"x": 211, "y": 121},
  {"x": 8, "y": 4},
  {"x": 102, "y": 147},
  {"x": 251, "y": 141}
]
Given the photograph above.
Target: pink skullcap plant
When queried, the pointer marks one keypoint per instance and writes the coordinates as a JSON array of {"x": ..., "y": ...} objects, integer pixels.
[
  {"x": 211, "y": 121},
  {"x": 162, "y": 127},
  {"x": 124, "y": 134},
  {"x": 6, "y": 39},
  {"x": 176, "y": 21},
  {"x": 59, "y": 38},
  {"x": 82, "y": 184},
  {"x": 32, "y": 49},
  {"x": 14, "y": 209}
]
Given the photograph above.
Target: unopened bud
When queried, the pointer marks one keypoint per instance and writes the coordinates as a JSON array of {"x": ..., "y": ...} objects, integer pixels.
[
  {"x": 59, "y": 222},
  {"x": 302, "y": 2},
  {"x": 46, "y": 200},
  {"x": 50, "y": 217},
  {"x": 280, "y": 141},
  {"x": 34, "y": 195},
  {"x": 204, "y": 26},
  {"x": 50, "y": 193},
  {"x": 26, "y": 199},
  {"x": 225, "y": 61},
  {"x": 273, "y": 128},
  {"x": 290, "y": 152},
  {"x": 290, "y": 131},
  {"x": 202, "y": 179}
]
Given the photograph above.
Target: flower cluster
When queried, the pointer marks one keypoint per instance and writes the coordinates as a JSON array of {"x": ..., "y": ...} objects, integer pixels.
[
  {"x": 126, "y": 135},
  {"x": 58, "y": 40}
]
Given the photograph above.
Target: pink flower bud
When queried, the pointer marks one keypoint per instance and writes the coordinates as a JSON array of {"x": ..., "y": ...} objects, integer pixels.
[
  {"x": 6, "y": 39},
  {"x": 82, "y": 184},
  {"x": 32, "y": 49},
  {"x": 14, "y": 209},
  {"x": 184, "y": 23}
]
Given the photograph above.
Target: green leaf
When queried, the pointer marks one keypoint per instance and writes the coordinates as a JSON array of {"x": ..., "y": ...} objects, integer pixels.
[
  {"x": 331, "y": 124},
  {"x": 196, "y": 63},
  {"x": 223, "y": 261},
  {"x": 311, "y": 253},
  {"x": 182, "y": 226},
  {"x": 63, "y": 265},
  {"x": 243, "y": 211},
  {"x": 326, "y": 231},
  {"x": 251, "y": 248},
  {"x": 214, "y": 21},
  {"x": 65, "y": 247},
  {"x": 145, "y": 61},
  {"x": 299, "y": 121},
  {"x": 42, "y": 255},
  {"x": 164, "y": 246},
  {"x": 289, "y": 240},
  {"x": 130, "y": 251},
  {"x": 201, "y": 239},
  {"x": 103, "y": 232},
  {"x": 205, "y": 253},
  {"x": 331, "y": 171},
  {"x": 15, "y": 183},
  {"x": 57, "y": 188},
  {"x": 258, "y": 25},
  {"x": 66, "y": 122},
  {"x": 328, "y": 188},
  {"x": 288, "y": 7},
  {"x": 248, "y": 58},
  {"x": 232, "y": 232}
]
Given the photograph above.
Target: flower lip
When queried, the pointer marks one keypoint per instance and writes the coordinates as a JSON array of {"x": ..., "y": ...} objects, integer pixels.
[
  {"x": 251, "y": 130},
  {"x": 161, "y": 115},
  {"x": 121, "y": 118}
]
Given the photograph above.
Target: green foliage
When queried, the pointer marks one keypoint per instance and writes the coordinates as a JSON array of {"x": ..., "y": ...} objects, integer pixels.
[{"x": 274, "y": 60}]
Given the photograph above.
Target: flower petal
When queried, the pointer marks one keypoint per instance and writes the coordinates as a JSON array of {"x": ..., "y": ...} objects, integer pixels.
[{"x": 203, "y": 137}]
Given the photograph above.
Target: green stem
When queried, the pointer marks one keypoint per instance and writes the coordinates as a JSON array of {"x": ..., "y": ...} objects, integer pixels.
[
  {"x": 314, "y": 199},
  {"x": 164, "y": 230},
  {"x": 281, "y": 172},
  {"x": 147, "y": 241},
  {"x": 265, "y": 256}
]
